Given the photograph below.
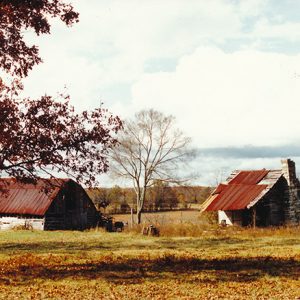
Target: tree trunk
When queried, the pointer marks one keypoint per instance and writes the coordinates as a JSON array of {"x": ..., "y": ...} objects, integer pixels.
[
  {"x": 139, "y": 216},
  {"x": 140, "y": 204}
]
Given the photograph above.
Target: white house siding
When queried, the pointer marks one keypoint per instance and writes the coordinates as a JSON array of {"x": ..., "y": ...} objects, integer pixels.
[
  {"x": 8, "y": 223},
  {"x": 224, "y": 216},
  {"x": 231, "y": 217}
]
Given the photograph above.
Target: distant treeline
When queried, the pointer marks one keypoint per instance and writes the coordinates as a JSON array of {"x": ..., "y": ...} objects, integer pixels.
[{"x": 159, "y": 197}]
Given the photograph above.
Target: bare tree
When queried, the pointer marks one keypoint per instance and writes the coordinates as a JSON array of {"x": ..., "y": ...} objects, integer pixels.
[{"x": 150, "y": 149}]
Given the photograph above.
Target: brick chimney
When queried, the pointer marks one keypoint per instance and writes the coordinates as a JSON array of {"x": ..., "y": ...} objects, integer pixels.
[
  {"x": 292, "y": 195},
  {"x": 289, "y": 171}
]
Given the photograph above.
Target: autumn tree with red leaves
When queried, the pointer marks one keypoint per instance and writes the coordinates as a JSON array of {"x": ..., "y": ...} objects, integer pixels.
[
  {"x": 45, "y": 136},
  {"x": 16, "y": 57}
]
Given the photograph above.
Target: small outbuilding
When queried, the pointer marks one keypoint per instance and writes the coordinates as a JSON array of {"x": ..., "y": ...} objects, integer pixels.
[
  {"x": 50, "y": 204},
  {"x": 258, "y": 197}
]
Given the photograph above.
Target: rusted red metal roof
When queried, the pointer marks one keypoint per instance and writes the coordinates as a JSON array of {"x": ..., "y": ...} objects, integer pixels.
[
  {"x": 239, "y": 191},
  {"x": 28, "y": 199},
  {"x": 236, "y": 196},
  {"x": 249, "y": 177},
  {"x": 221, "y": 187}
]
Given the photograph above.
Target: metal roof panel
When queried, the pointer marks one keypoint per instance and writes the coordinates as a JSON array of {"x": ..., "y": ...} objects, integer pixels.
[
  {"x": 243, "y": 189},
  {"x": 235, "y": 197},
  {"x": 249, "y": 177},
  {"x": 28, "y": 199}
]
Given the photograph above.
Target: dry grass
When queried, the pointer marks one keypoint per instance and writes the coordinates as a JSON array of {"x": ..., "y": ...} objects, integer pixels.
[
  {"x": 217, "y": 264},
  {"x": 166, "y": 217},
  {"x": 207, "y": 230}
]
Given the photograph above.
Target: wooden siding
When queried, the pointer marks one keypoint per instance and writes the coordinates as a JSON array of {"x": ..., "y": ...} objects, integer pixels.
[
  {"x": 277, "y": 204},
  {"x": 270, "y": 211},
  {"x": 72, "y": 209}
]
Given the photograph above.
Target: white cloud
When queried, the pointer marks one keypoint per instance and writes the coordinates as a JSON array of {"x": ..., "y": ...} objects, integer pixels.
[
  {"x": 248, "y": 8},
  {"x": 283, "y": 30},
  {"x": 245, "y": 97},
  {"x": 214, "y": 170},
  {"x": 222, "y": 91},
  {"x": 115, "y": 40}
]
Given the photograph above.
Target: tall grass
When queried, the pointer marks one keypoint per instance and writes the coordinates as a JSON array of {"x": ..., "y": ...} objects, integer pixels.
[{"x": 198, "y": 230}]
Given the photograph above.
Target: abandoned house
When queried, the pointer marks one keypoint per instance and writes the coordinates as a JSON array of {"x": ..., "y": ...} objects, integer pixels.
[
  {"x": 258, "y": 198},
  {"x": 51, "y": 204}
]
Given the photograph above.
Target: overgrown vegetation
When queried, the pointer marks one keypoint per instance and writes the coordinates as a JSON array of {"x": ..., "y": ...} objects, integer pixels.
[{"x": 221, "y": 263}]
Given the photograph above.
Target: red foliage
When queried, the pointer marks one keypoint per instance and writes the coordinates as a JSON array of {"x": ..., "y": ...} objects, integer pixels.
[
  {"x": 44, "y": 135},
  {"x": 49, "y": 136},
  {"x": 16, "y": 57}
]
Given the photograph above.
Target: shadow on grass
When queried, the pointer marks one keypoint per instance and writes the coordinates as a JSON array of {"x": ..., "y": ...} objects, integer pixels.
[
  {"x": 127, "y": 244},
  {"x": 132, "y": 271},
  {"x": 46, "y": 247},
  {"x": 166, "y": 243},
  {"x": 195, "y": 243}
]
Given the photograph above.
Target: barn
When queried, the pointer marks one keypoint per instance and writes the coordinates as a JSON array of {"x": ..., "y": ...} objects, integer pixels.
[
  {"x": 258, "y": 197},
  {"x": 50, "y": 204}
]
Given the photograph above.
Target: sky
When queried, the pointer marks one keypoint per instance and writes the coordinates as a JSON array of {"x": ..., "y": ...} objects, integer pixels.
[{"x": 229, "y": 71}]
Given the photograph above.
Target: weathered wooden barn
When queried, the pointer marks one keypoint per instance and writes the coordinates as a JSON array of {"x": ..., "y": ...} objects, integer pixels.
[
  {"x": 258, "y": 197},
  {"x": 51, "y": 204}
]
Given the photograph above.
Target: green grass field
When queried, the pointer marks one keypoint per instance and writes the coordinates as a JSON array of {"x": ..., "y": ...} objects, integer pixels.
[{"x": 216, "y": 264}]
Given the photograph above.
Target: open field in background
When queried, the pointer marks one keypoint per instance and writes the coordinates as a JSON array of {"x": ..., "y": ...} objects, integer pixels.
[
  {"x": 165, "y": 217},
  {"x": 217, "y": 264}
]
